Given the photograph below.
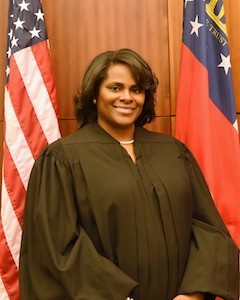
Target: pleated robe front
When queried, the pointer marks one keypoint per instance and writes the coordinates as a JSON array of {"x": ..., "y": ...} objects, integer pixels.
[{"x": 97, "y": 226}]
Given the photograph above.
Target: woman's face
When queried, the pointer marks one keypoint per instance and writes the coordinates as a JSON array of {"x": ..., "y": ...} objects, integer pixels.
[{"x": 120, "y": 101}]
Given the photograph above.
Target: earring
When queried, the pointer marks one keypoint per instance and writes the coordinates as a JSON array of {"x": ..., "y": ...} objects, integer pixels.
[{"x": 94, "y": 101}]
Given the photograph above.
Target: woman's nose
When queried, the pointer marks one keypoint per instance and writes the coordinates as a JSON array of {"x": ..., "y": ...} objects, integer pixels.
[{"x": 126, "y": 96}]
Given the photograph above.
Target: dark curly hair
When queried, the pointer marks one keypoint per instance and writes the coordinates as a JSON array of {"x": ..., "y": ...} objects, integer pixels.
[{"x": 85, "y": 109}]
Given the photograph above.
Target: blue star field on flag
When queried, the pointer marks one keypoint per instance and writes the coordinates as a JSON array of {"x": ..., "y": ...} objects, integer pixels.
[
  {"x": 26, "y": 26},
  {"x": 206, "y": 35}
]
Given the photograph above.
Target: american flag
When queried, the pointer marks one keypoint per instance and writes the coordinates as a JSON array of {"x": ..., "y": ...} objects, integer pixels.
[
  {"x": 30, "y": 113},
  {"x": 206, "y": 115}
]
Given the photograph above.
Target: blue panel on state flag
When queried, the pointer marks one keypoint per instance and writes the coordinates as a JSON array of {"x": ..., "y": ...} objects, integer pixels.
[{"x": 206, "y": 36}]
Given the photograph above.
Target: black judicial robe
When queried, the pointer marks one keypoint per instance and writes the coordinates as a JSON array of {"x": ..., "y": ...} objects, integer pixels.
[{"x": 99, "y": 227}]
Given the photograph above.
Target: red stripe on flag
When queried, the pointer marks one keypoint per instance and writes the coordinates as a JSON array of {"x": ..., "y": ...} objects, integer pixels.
[
  {"x": 15, "y": 188},
  {"x": 193, "y": 102},
  {"x": 42, "y": 56},
  {"x": 226, "y": 181},
  {"x": 23, "y": 107},
  {"x": 8, "y": 269}
]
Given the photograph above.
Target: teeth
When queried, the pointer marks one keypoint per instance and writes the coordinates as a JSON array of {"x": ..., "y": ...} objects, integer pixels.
[{"x": 124, "y": 109}]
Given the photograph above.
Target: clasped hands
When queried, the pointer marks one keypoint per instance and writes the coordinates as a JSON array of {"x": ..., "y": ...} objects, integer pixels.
[{"x": 194, "y": 296}]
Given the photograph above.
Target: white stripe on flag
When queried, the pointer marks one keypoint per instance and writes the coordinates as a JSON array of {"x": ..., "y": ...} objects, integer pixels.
[
  {"x": 235, "y": 125},
  {"x": 16, "y": 142},
  {"x": 37, "y": 93},
  {"x": 11, "y": 226}
]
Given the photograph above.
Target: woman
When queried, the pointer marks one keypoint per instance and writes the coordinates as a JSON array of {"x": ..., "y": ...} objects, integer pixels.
[{"x": 114, "y": 211}]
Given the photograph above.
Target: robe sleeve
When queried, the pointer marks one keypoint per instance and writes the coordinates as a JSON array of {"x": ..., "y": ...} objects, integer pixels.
[
  {"x": 212, "y": 265},
  {"x": 58, "y": 259}
]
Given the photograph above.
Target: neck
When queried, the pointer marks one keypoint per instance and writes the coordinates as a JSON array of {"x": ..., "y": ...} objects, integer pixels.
[{"x": 120, "y": 134}]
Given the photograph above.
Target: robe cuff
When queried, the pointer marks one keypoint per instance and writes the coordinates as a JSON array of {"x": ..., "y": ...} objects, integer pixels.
[{"x": 213, "y": 255}]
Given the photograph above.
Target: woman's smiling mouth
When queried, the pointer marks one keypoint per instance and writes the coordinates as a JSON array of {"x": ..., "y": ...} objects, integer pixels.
[{"x": 124, "y": 110}]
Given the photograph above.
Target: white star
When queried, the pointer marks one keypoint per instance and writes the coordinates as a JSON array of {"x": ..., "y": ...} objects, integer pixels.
[
  {"x": 7, "y": 71},
  {"x": 186, "y": 2},
  {"x": 226, "y": 64},
  {"x": 10, "y": 34},
  {"x": 14, "y": 42},
  {"x": 195, "y": 26},
  {"x": 9, "y": 52},
  {"x": 34, "y": 33},
  {"x": 40, "y": 15},
  {"x": 19, "y": 23},
  {"x": 24, "y": 5}
]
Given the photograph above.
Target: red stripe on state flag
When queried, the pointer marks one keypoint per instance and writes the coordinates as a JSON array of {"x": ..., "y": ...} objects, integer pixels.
[
  {"x": 226, "y": 166},
  {"x": 193, "y": 106}
]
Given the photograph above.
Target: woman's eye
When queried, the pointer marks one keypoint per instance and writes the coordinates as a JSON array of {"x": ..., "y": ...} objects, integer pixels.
[
  {"x": 115, "y": 88},
  {"x": 136, "y": 90}
]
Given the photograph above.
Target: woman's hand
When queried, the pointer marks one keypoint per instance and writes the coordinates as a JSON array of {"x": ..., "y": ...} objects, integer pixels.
[{"x": 194, "y": 296}]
